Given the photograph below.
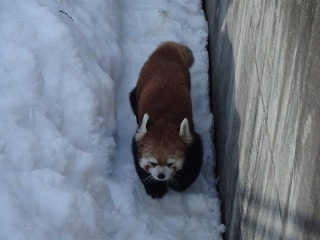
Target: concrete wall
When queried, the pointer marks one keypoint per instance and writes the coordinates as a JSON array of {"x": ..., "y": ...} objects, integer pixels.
[{"x": 265, "y": 74}]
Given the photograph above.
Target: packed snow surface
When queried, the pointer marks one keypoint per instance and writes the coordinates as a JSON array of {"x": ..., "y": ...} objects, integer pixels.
[{"x": 66, "y": 69}]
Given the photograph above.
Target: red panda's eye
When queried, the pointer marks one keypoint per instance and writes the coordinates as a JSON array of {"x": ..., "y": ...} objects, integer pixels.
[
  {"x": 169, "y": 164},
  {"x": 153, "y": 164}
]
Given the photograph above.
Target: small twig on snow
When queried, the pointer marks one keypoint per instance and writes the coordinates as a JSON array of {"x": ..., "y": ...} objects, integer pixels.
[{"x": 66, "y": 14}]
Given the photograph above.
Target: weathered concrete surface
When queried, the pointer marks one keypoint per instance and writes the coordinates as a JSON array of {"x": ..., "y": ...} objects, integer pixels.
[{"x": 265, "y": 70}]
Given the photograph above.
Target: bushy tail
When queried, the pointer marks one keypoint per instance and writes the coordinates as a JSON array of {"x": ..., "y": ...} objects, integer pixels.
[{"x": 185, "y": 52}]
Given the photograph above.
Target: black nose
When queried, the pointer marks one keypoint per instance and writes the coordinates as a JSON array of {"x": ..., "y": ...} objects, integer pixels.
[{"x": 161, "y": 176}]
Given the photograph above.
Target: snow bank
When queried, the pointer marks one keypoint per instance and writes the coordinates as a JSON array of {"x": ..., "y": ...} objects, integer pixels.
[
  {"x": 57, "y": 117},
  {"x": 66, "y": 68}
]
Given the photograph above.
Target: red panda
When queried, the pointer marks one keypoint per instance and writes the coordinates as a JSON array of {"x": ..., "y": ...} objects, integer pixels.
[{"x": 167, "y": 151}]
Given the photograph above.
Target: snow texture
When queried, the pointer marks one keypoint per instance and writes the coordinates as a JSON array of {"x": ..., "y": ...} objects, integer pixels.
[{"x": 66, "y": 69}]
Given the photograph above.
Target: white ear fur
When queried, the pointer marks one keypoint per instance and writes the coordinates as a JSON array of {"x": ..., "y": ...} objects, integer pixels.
[
  {"x": 143, "y": 128},
  {"x": 185, "y": 131}
]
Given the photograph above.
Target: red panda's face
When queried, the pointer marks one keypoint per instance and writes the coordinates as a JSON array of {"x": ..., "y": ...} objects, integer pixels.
[
  {"x": 161, "y": 149},
  {"x": 159, "y": 171},
  {"x": 162, "y": 155}
]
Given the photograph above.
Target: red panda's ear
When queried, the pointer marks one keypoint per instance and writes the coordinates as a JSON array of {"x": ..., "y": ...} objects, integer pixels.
[
  {"x": 142, "y": 130},
  {"x": 185, "y": 131}
]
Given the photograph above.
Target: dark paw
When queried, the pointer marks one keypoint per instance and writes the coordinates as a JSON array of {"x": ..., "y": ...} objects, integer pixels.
[{"x": 157, "y": 189}]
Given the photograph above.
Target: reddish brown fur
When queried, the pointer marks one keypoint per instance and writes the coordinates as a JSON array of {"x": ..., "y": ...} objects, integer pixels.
[{"x": 163, "y": 91}]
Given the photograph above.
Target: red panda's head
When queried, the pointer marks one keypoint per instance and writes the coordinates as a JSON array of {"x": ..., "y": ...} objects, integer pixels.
[{"x": 161, "y": 148}]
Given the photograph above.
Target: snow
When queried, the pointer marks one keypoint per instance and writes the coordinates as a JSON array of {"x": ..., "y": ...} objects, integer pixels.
[{"x": 66, "y": 68}]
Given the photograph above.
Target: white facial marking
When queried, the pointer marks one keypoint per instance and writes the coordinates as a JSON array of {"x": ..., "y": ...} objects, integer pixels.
[
  {"x": 146, "y": 161},
  {"x": 153, "y": 160},
  {"x": 156, "y": 171},
  {"x": 143, "y": 162},
  {"x": 178, "y": 163}
]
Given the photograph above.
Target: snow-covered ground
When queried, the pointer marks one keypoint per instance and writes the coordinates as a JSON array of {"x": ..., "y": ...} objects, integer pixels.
[{"x": 66, "y": 169}]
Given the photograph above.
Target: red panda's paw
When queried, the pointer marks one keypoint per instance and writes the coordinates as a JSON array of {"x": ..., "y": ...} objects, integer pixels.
[{"x": 156, "y": 189}]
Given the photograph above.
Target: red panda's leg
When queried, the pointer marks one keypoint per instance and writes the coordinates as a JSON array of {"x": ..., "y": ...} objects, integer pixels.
[{"x": 156, "y": 189}]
